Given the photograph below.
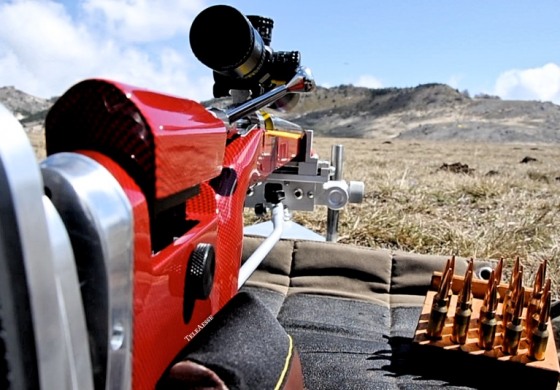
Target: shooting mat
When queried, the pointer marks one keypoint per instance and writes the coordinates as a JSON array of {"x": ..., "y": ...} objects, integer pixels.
[{"x": 352, "y": 312}]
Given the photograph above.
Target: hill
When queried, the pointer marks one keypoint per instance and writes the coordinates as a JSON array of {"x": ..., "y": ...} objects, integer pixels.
[
  {"x": 28, "y": 109},
  {"x": 427, "y": 112}
]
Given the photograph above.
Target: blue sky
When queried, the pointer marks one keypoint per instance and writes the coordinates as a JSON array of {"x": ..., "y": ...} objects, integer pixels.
[{"x": 507, "y": 48}]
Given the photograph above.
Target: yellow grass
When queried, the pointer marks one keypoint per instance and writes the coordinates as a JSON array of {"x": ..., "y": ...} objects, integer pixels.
[
  {"x": 39, "y": 146},
  {"x": 410, "y": 205}
]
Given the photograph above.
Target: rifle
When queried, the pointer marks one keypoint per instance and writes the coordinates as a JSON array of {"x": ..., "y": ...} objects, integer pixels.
[{"x": 129, "y": 234}]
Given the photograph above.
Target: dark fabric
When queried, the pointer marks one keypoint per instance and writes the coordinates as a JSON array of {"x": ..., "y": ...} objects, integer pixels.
[
  {"x": 243, "y": 344},
  {"x": 348, "y": 344}
]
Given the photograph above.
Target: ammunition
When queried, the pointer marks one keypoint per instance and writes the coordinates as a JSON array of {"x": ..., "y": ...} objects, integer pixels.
[
  {"x": 532, "y": 321},
  {"x": 444, "y": 273},
  {"x": 509, "y": 291},
  {"x": 498, "y": 271},
  {"x": 536, "y": 296},
  {"x": 483, "y": 307},
  {"x": 438, "y": 315},
  {"x": 509, "y": 298},
  {"x": 514, "y": 297},
  {"x": 545, "y": 291},
  {"x": 440, "y": 304},
  {"x": 514, "y": 328},
  {"x": 498, "y": 278},
  {"x": 539, "y": 338},
  {"x": 443, "y": 282},
  {"x": 445, "y": 292},
  {"x": 464, "y": 309},
  {"x": 451, "y": 272},
  {"x": 488, "y": 322},
  {"x": 496, "y": 298}
]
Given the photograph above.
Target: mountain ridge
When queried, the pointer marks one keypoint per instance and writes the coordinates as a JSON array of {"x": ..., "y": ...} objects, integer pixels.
[{"x": 428, "y": 111}]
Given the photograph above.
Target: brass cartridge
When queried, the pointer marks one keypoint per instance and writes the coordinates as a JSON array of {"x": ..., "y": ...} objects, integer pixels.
[
  {"x": 498, "y": 278},
  {"x": 451, "y": 272},
  {"x": 512, "y": 295},
  {"x": 463, "y": 311},
  {"x": 514, "y": 328},
  {"x": 440, "y": 304},
  {"x": 536, "y": 296},
  {"x": 488, "y": 322},
  {"x": 498, "y": 271},
  {"x": 512, "y": 282},
  {"x": 438, "y": 315},
  {"x": 514, "y": 298},
  {"x": 539, "y": 338},
  {"x": 532, "y": 321}
]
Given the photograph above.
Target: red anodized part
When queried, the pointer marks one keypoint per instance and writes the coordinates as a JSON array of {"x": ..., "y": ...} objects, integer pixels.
[
  {"x": 167, "y": 144},
  {"x": 189, "y": 140}
]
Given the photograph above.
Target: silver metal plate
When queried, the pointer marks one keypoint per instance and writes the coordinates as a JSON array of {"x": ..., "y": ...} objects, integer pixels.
[
  {"x": 23, "y": 215},
  {"x": 98, "y": 218}
]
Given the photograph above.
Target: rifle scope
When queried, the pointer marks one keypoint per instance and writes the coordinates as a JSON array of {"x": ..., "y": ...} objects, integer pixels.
[{"x": 236, "y": 47}]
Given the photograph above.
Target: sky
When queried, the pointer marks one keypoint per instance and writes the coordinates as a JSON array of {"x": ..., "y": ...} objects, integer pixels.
[{"x": 508, "y": 48}]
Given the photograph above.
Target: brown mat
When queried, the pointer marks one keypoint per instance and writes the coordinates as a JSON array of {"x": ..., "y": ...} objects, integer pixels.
[{"x": 346, "y": 271}]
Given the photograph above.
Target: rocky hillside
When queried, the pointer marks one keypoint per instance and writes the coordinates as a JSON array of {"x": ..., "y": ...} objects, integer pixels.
[
  {"x": 30, "y": 110},
  {"x": 431, "y": 112}
]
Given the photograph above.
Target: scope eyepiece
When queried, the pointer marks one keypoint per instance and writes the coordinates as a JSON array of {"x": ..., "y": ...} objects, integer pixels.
[{"x": 223, "y": 39}]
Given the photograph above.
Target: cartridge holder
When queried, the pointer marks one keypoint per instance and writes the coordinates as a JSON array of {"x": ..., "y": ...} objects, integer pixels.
[{"x": 509, "y": 370}]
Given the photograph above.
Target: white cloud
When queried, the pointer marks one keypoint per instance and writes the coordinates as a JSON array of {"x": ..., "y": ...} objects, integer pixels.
[
  {"x": 530, "y": 84},
  {"x": 44, "y": 51},
  {"x": 144, "y": 20},
  {"x": 368, "y": 81}
]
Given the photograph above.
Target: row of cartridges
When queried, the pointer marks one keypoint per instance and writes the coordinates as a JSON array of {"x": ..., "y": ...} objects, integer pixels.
[{"x": 523, "y": 316}]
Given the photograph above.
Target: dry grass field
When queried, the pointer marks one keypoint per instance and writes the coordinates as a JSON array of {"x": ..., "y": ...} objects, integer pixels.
[
  {"x": 39, "y": 146},
  {"x": 502, "y": 208}
]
